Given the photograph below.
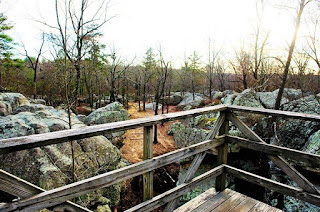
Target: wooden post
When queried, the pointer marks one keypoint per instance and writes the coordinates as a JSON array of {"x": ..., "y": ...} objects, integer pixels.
[
  {"x": 222, "y": 156},
  {"x": 147, "y": 154}
]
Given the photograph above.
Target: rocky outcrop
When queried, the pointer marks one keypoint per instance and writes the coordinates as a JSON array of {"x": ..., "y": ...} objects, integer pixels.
[
  {"x": 248, "y": 98},
  {"x": 51, "y": 166},
  {"x": 190, "y": 100},
  {"x": 111, "y": 113},
  {"x": 152, "y": 106},
  {"x": 268, "y": 99},
  {"x": 38, "y": 101},
  {"x": 10, "y": 101},
  {"x": 295, "y": 133}
]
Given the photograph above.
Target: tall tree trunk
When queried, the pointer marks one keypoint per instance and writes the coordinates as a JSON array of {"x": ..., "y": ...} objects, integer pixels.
[{"x": 291, "y": 49}]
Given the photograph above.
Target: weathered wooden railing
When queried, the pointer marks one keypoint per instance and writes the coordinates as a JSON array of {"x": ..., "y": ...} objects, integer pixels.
[{"x": 33, "y": 197}]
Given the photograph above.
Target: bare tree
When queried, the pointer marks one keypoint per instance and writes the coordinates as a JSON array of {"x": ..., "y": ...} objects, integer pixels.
[
  {"x": 34, "y": 64},
  {"x": 76, "y": 21},
  {"x": 302, "y": 5}
]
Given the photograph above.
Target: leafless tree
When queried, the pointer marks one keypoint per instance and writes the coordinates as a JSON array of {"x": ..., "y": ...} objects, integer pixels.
[
  {"x": 301, "y": 7},
  {"x": 34, "y": 64}
]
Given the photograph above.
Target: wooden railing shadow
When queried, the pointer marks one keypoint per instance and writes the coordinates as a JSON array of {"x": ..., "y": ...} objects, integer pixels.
[{"x": 34, "y": 198}]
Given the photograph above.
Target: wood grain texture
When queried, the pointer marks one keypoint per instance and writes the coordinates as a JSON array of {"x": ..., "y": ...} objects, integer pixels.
[
  {"x": 32, "y": 141},
  {"x": 278, "y": 160},
  {"x": 276, "y": 113},
  {"x": 61, "y": 194},
  {"x": 198, "y": 159},
  {"x": 273, "y": 185},
  {"x": 20, "y": 188},
  {"x": 147, "y": 154},
  {"x": 270, "y": 149},
  {"x": 177, "y": 191}
]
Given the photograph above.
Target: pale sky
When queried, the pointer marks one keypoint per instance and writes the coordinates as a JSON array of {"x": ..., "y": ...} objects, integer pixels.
[{"x": 180, "y": 26}]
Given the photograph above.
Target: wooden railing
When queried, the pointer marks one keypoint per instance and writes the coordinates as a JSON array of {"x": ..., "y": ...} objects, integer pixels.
[{"x": 34, "y": 198}]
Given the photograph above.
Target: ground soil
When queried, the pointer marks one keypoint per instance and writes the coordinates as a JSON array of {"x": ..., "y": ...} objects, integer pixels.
[{"x": 132, "y": 151}]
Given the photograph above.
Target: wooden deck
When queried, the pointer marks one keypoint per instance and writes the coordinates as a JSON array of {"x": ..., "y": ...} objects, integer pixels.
[{"x": 227, "y": 200}]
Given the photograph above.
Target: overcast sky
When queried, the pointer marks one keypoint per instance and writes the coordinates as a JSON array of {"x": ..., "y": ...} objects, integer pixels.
[{"x": 180, "y": 26}]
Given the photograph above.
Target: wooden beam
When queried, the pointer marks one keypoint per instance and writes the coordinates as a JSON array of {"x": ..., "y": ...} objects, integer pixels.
[
  {"x": 61, "y": 194},
  {"x": 273, "y": 185},
  {"x": 177, "y": 191},
  {"x": 20, "y": 188},
  {"x": 198, "y": 159},
  {"x": 32, "y": 141},
  {"x": 277, "y": 113},
  {"x": 222, "y": 155},
  {"x": 147, "y": 154},
  {"x": 278, "y": 160},
  {"x": 270, "y": 149}
]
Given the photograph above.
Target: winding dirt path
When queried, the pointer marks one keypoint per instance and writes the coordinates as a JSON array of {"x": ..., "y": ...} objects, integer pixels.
[{"x": 133, "y": 142}]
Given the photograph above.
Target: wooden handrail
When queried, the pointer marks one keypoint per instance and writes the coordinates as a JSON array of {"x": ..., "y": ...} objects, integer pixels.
[
  {"x": 277, "y": 113},
  {"x": 32, "y": 141},
  {"x": 61, "y": 194},
  {"x": 270, "y": 149}
]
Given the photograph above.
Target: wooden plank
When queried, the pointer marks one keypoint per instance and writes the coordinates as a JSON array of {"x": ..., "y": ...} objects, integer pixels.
[
  {"x": 270, "y": 149},
  {"x": 61, "y": 194},
  {"x": 273, "y": 185},
  {"x": 246, "y": 205},
  {"x": 222, "y": 155},
  {"x": 179, "y": 190},
  {"x": 214, "y": 202},
  {"x": 147, "y": 154},
  {"x": 32, "y": 141},
  {"x": 278, "y": 160},
  {"x": 277, "y": 113},
  {"x": 199, "y": 200},
  {"x": 260, "y": 206},
  {"x": 198, "y": 159},
  {"x": 20, "y": 188},
  {"x": 230, "y": 203}
]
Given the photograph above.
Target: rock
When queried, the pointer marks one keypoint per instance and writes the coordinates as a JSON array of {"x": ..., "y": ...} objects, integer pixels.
[
  {"x": 10, "y": 101},
  {"x": 38, "y": 101},
  {"x": 313, "y": 144},
  {"x": 228, "y": 99},
  {"x": 152, "y": 106},
  {"x": 217, "y": 95},
  {"x": 177, "y": 126},
  {"x": 32, "y": 108},
  {"x": 81, "y": 117},
  {"x": 268, "y": 99},
  {"x": 111, "y": 113},
  {"x": 51, "y": 166},
  {"x": 290, "y": 93},
  {"x": 247, "y": 98},
  {"x": 101, "y": 103},
  {"x": 173, "y": 99},
  {"x": 295, "y": 133},
  {"x": 318, "y": 97},
  {"x": 190, "y": 101},
  {"x": 186, "y": 136},
  {"x": 189, "y": 107}
]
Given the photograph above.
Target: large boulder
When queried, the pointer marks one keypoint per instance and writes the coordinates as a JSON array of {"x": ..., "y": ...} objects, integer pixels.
[
  {"x": 229, "y": 98},
  {"x": 192, "y": 100},
  {"x": 111, "y": 113},
  {"x": 295, "y": 133},
  {"x": 248, "y": 98},
  {"x": 10, "y": 101},
  {"x": 38, "y": 101},
  {"x": 268, "y": 99},
  {"x": 51, "y": 166},
  {"x": 152, "y": 106},
  {"x": 290, "y": 93},
  {"x": 173, "y": 99}
]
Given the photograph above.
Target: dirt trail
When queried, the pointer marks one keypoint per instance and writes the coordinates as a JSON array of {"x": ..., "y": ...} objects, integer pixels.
[{"x": 133, "y": 142}]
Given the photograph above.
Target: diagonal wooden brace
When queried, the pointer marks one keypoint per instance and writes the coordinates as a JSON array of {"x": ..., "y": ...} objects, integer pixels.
[
  {"x": 296, "y": 176},
  {"x": 197, "y": 160},
  {"x": 20, "y": 188}
]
